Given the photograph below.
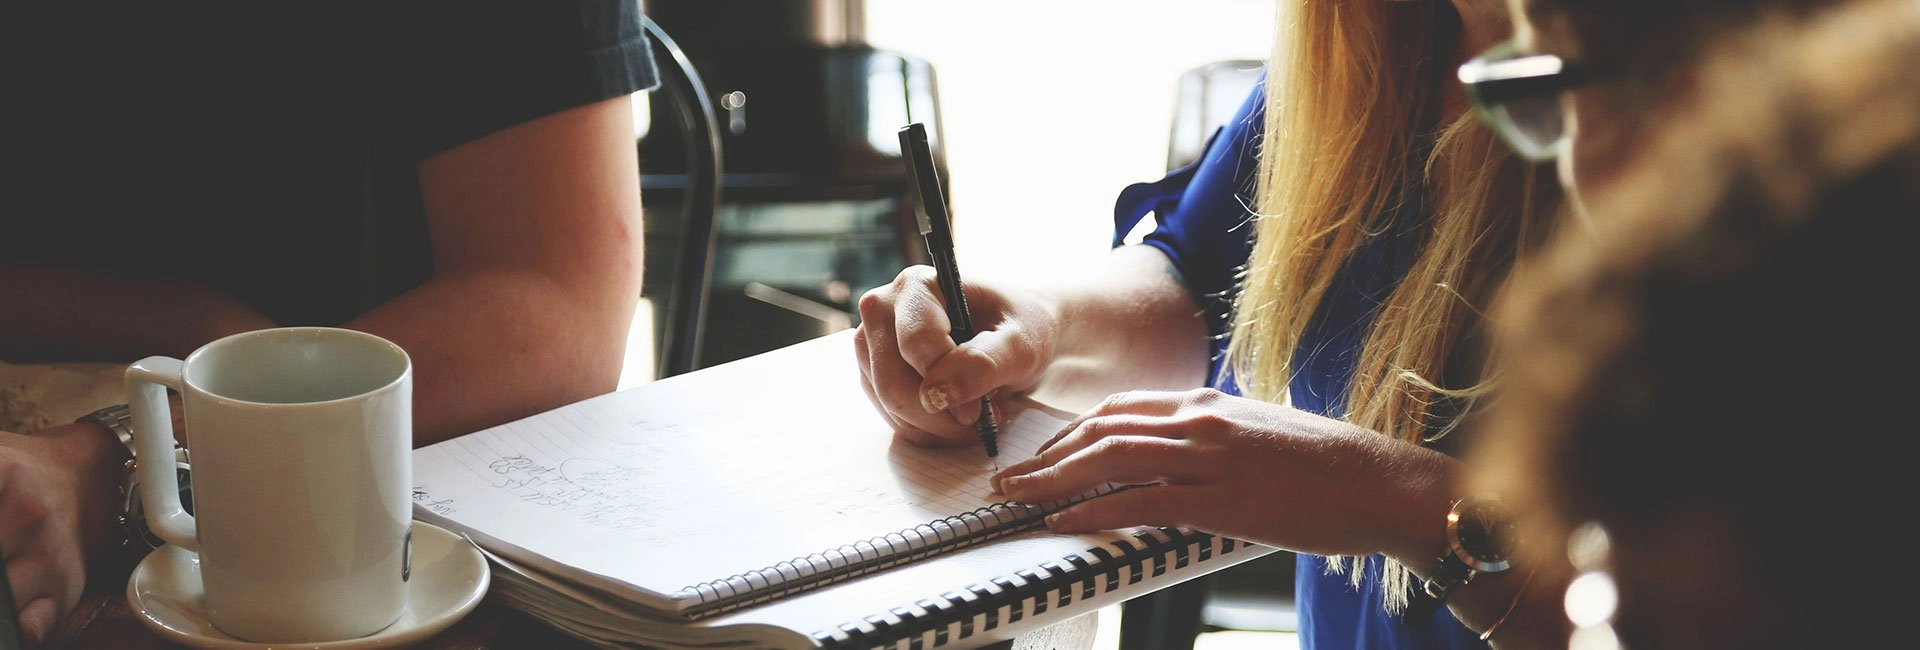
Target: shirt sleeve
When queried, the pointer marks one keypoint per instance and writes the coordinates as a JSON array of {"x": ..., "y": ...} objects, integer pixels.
[
  {"x": 1203, "y": 211},
  {"x": 468, "y": 69}
]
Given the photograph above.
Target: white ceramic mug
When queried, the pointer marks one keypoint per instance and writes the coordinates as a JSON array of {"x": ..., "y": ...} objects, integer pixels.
[{"x": 301, "y": 478}]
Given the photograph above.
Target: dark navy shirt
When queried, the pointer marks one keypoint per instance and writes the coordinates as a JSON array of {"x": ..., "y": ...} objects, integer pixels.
[
  {"x": 271, "y": 150},
  {"x": 1204, "y": 227}
]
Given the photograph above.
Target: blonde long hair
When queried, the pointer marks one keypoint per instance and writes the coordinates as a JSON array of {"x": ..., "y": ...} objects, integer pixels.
[{"x": 1351, "y": 85}]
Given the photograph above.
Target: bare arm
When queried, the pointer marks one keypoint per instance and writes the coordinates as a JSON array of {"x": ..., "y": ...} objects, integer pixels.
[
  {"x": 1129, "y": 324},
  {"x": 1277, "y": 475},
  {"x": 536, "y": 238},
  {"x": 68, "y": 314}
]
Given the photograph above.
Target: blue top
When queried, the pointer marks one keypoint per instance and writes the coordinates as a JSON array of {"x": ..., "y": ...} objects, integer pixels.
[{"x": 1204, "y": 228}]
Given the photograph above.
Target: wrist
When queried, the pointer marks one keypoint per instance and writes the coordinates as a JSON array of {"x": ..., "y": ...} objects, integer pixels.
[
  {"x": 1415, "y": 530},
  {"x": 89, "y": 443},
  {"x": 97, "y": 457},
  {"x": 1482, "y": 542}
]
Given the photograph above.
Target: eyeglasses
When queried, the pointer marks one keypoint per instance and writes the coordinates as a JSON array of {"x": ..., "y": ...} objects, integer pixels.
[{"x": 1519, "y": 96}]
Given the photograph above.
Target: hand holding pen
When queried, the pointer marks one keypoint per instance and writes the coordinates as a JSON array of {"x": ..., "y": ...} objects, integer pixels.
[{"x": 930, "y": 209}]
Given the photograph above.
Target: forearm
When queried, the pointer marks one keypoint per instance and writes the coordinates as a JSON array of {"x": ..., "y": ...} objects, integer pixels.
[
  {"x": 67, "y": 314},
  {"x": 536, "y": 248},
  {"x": 492, "y": 346},
  {"x": 1128, "y": 324}
]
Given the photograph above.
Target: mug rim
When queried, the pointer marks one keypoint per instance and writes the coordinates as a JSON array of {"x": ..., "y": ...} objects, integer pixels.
[{"x": 406, "y": 364}]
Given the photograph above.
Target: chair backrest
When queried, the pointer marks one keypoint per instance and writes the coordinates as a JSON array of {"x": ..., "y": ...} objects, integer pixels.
[
  {"x": 681, "y": 87},
  {"x": 1206, "y": 98}
]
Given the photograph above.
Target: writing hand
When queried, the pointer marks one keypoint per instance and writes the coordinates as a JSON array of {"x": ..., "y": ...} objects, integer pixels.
[
  {"x": 1242, "y": 468},
  {"x": 928, "y": 388}
]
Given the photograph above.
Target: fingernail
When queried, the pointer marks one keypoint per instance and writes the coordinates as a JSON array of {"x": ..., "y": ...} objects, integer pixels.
[
  {"x": 934, "y": 398},
  {"x": 1053, "y": 520},
  {"x": 1009, "y": 484}
]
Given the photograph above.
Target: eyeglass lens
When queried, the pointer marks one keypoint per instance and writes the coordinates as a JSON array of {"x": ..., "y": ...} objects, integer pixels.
[{"x": 1535, "y": 126}]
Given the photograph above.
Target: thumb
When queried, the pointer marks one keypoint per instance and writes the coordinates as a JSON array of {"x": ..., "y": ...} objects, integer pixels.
[
  {"x": 993, "y": 360},
  {"x": 36, "y": 621}
]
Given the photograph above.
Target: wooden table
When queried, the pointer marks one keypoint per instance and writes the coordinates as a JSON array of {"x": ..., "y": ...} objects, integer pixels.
[{"x": 104, "y": 620}]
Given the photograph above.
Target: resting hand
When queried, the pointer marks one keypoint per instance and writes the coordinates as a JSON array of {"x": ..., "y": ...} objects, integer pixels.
[
  {"x": 928, "y": 388},
  {"x": 1238, "y": 467},
  {"x": 55, "y": 504}
]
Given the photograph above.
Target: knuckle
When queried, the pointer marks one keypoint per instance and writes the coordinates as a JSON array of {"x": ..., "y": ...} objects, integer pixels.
[
  {"x": 916, "y": 274},
  {"x": 1134, "y": 445},
  {"x": 984, "y": 365},
  {"x": 1113, "y": 446},
  {"x": 1019, "y": 346},
  {"x": 873, "y": 305},
  {"x": 1209, "y": 421},
  {"x": 30, "y": 507},
  {"x": 1096, "y": 428},
  {"x": 917, "y": 337},
  {"x": 1203, "y": 395}
]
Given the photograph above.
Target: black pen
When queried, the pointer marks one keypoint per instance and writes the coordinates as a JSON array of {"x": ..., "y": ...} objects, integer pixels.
[{"x": 930, "y": 207}]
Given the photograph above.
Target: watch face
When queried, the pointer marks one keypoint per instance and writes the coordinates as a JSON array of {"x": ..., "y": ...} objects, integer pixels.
[{"x": 1486, "y": 534}]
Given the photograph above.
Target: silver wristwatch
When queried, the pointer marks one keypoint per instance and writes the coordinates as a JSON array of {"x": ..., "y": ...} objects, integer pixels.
[
  {"x": 131, "y": 519},
  {"x": 118, "y": 419}
]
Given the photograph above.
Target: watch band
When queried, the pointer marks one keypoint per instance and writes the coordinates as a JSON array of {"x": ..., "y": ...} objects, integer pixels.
[
  {"x": 1433, "y": 591},
  {"x": 130, "y": 520},
  {"x": 118, "y": 419},
  {"x": 1451, "y": 573}
]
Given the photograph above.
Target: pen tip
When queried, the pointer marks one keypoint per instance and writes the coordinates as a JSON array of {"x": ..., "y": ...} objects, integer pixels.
[{"x": 989, "y": 430}]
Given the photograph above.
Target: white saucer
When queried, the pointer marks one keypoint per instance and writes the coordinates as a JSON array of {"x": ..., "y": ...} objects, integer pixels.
[{"x": 449, "y": 578}]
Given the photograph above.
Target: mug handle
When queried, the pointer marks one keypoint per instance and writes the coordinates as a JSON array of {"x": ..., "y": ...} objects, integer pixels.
[{"x": 147, "y": 381}]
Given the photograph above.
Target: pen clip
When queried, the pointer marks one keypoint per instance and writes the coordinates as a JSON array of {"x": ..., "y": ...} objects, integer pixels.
[{"x": 913, "y": 139}]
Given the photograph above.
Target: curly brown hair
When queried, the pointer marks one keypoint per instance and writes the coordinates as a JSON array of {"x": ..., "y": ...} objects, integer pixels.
[{"x": 1726, "y": 354}]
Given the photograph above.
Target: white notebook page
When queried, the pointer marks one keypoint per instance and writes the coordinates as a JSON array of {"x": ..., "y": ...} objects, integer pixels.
[{"x": 700, "y": 477}]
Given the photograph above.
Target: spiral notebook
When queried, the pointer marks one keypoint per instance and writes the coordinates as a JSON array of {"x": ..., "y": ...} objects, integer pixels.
[{"x": 765, "y": 502}]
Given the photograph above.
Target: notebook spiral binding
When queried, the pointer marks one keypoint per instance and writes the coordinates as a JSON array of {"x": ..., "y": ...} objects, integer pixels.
[
  {"x": 867, "y": 556},
  {"x": 952, "y": 616}
]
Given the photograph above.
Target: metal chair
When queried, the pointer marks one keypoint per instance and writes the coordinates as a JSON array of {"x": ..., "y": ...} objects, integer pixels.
[{"x": 679, "y": 346}]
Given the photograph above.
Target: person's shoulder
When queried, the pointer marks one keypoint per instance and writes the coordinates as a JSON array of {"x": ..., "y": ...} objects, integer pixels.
[{"x": 468, "y": 70}]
